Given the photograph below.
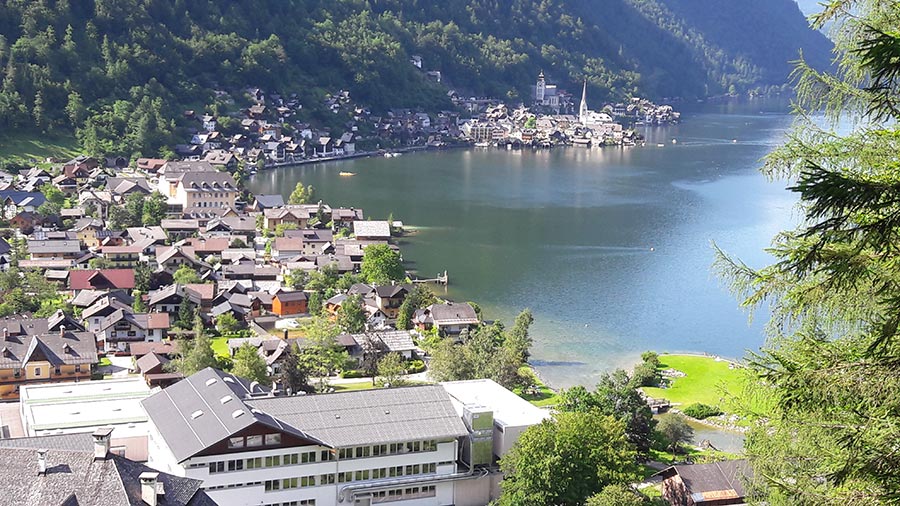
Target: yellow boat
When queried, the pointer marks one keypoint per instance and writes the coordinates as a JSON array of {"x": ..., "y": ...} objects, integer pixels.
[{"x": 348, "y": 173}]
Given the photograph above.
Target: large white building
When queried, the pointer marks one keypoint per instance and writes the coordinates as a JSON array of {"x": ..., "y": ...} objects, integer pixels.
[
  {"x": 197, "y": 186},
  {"x": 427, "y": 445}
]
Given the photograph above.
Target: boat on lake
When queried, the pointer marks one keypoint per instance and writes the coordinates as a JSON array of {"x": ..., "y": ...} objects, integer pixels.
[{"x": 347, "y": 173}]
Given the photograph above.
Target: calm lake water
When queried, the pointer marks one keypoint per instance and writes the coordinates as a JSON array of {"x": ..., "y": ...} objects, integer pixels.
[{"x": 610, "y": 248}]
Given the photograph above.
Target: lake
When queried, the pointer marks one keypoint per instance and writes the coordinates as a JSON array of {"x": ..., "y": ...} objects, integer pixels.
[{"x": 609, "y": 247}]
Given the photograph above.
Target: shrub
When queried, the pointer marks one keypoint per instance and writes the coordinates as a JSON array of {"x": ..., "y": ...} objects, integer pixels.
[
  {"x": 645, "y": 375},
  {"x": 701, "y": 411},
  {"x": 354, "y": 373},
  {"x": 415, "y": 366}
]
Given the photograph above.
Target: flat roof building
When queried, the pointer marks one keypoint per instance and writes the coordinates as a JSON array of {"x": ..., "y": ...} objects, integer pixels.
[{"x": 67, "y": 408}]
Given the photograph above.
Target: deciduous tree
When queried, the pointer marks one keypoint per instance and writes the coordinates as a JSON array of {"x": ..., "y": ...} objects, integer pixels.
[
  {"x": 566, "y": 460},
  {"x": 250, "y": 365}
]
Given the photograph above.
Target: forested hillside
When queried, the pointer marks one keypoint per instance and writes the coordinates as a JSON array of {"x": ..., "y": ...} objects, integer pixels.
[{"x": 120, "y": 71}]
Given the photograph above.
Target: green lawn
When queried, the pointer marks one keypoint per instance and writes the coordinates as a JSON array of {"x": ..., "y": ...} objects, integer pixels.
[
  {"x": 545, "y": 396},
  {"x": 220, "y": 346},
  {"x": 707, "y": 381},
  {"x": 347, "y": 387},
  {"x": 35, "y": 147}
]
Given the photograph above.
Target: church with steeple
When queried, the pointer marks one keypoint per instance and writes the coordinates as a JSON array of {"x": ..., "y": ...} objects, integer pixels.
[{"x": 583, "y": 111}]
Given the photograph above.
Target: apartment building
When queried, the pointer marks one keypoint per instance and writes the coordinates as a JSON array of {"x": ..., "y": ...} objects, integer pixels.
[{"x": 418, "y": 445}]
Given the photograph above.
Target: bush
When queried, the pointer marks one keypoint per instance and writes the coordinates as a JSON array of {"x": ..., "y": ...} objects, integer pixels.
[
  {"x": 415, "y": 366},
  {"x": 354, "y": 373},
  {"x": 645, "y": 375},
  {"x": 701, "y": 411}
]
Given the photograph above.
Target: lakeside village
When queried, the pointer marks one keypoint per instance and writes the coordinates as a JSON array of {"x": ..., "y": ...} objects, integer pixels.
[
  {"x": 266, "y": 134},
  {"x": 164, "y": 329}
]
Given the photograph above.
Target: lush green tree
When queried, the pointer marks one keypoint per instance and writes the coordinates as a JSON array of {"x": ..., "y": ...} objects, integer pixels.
[
  {"x": 194, "y": 355},
  {"x": 315, "y": 304},
  {"x": 154, "y": 209},
  {"x": 825, "y": 396},
  {"x": 186, "y": 275},
  {"x": 139, "y": 306},
  {"x": 249, "y": 364},
  {"x": 351, "y": 316},
  {"x": 294, "y": 374},
  {"x": 187, "y": 313},
  {"x": 675, "y": 431},
  {"x": 100, "y": 263},
  {"x": 302, "y": 194},
  {"x": 420, "y": 297},
  {"x": 390, "y": 370},
  {"x": 142, "y": 276},
  {"x": 617, "y": 495},
  {"x": 381, "y": 265},
  {"x": 55, "y": 199},
  {"x": 615, "y": 395},
  {"x": 566, "y": 460},
  {"x": 226, "y": 323},
  {"x": 517, "y": 338}
]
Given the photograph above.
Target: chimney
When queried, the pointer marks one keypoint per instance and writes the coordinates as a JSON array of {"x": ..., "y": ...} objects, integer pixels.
[
  {"x": 5, "y": 333},
  {"x": 151, "y": 488},
  {"x": 62, "y": 331},
  {"x": 42, "y": 461},
  {"x": 101, "y": 442}
]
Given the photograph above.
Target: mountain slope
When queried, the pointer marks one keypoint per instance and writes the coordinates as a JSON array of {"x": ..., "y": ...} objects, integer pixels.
[{"x": 119, "y": 71}]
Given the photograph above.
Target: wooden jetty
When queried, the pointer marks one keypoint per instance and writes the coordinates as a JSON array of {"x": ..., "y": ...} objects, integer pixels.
[{"x": 441, "y": 279}]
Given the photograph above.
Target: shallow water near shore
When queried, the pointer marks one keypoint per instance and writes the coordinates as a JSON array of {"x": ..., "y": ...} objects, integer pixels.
[{"x": 610, "y": 248}]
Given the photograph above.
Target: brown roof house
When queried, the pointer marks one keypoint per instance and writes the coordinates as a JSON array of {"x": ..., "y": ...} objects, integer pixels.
[{"x": 716, "y": 484}]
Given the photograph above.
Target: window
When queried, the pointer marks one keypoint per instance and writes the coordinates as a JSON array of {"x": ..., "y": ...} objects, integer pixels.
[
  {"x": 307, "y": 481},
  {"x": 326, "y": 479},
  {"x": 235, "y": 442},
  {"x": 429, "y": 446},
  {"x": 362, "y": 475},
  {"x": 414, "y": 446},
  {"x": 396, "y": 448},
  {"x": 379, "y": 473},
  {"x": 429, "y": 468},
  {"x": 57, "y": 370},
  {"x": 254, "y": 463},
  {"x": 345, "y": 453},
  {"x": 17, "y": 372},
  {"x": 379, "y": 450},
  {"x": 289, "y": 483},
  {"x": 273, "y": 461},
  {"x": 216, "y": 467},
  {"x": 272, "y": 485},
  {"x": 254, "y": 441},
  {"x": 307, "y": 502},
  {"x": 290, "y": 458},
  {"x": 327, "y": 455},
  {"x": 345, "y": 477},
  {"x": 273, "y": 439},
  {"x": 78, "y": 368},
  {"x": 37, "y": 371},
  {"x": 395, "y": 471},
  {"x": 235, "y": 465},
  {"x": 362, "y": 451}
]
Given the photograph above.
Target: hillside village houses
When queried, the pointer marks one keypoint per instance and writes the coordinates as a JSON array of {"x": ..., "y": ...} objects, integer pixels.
[{"x": 123, "y": 299}]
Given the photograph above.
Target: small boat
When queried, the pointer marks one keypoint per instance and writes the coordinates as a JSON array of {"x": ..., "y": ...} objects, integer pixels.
[
  {"x": 674, "y": 141},
  {"x": 482, "y": 144},
  {"x": 660, "y": 145},
  {"x": 347, "y": 173}
]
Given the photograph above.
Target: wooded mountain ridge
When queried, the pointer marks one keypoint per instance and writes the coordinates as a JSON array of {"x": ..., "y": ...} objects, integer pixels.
[{"x": 127, "y": 68}]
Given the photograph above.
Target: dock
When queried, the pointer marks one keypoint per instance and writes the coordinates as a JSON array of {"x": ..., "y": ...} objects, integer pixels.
[{"x": 441, "y": 279}]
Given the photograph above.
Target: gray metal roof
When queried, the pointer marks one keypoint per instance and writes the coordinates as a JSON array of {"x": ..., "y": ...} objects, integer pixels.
[
  {"x": 191, "y": 415},
  {"x": 369, "y": 417}
]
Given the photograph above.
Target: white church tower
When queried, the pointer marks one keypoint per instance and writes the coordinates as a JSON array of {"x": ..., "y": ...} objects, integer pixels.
[
  {"x": 583, "y": 110},
  {"x": 540, "y": 88}
]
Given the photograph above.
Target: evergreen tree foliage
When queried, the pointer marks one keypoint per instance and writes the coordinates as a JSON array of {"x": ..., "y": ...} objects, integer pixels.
[
  {"x": 250, "y": 365},
  {"x": 828, "y": 376}
]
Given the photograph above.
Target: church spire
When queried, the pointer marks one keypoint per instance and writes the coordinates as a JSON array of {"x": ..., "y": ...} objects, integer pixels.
[{"x": 583, "y": 111}]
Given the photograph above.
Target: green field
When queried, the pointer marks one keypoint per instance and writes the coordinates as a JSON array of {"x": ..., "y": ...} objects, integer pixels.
[
  {"x": 33, "y": 147},
  {"x": 707, "y": 381},
  {"x": 220, "y": 346}
]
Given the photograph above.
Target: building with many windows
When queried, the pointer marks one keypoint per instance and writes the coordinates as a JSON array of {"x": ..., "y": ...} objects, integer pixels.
[{"x": 419, "y": 445}]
